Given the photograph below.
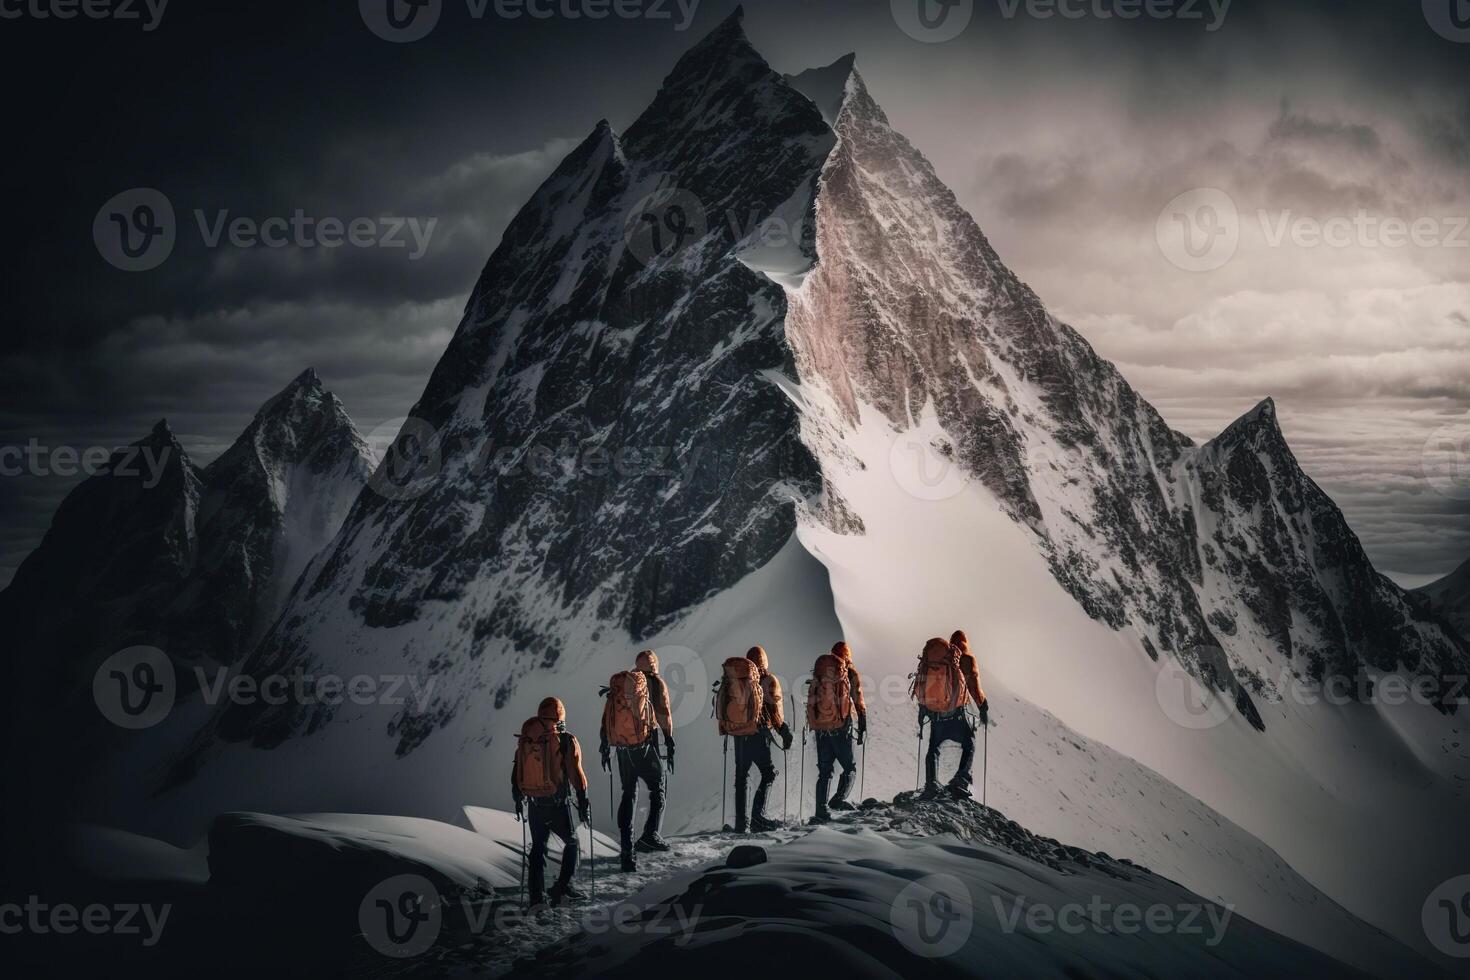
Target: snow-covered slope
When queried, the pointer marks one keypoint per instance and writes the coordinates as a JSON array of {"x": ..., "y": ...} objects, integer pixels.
[
  {"x": 990, "y": 454},
  {"x": 898, "y": 892},
  {"x": 1449, "y": 597},
  {"x": 659, "y": 425}
]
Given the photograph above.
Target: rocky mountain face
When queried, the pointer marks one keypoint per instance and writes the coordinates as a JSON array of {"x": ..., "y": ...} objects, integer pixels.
[
  {"x": 157, "y": 551},
  {"x": 1226, "y": 557},
  {"x": 154, "y": 551},
  {"x": 269, "y": 504},
  {"x": 1449, "y": 598},
  {"x": 608, "y": 440},
  {"x": 601, "y": 440}
]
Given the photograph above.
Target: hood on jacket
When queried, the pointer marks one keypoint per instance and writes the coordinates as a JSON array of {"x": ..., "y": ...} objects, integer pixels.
[
  {"x": 841, "y": 649},
  {"x": 959, "y": 639},
  {"x": 757, "y": 656},
  {"x": 647, "y": 660},
  {"x": 938, "y": 643},
  {"x": 552, "y": 710}
]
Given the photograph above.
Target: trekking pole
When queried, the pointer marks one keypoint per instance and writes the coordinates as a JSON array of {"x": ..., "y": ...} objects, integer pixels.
[
  {"x": 863, "y": 773},
  {"x": 918, "y": 752},
  {"x": 591, "y": 854},
  {"x": 724, "y": 776},
  {"x": 610, "y": 814},
  {"x": 523, "y": 861},
  {"x": 985, "y": 770},
  {"x": 801, "y": 787}
]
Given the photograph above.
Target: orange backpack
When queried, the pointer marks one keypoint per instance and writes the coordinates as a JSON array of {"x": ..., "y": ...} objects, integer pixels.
[
  {"x": 829, "y": 695},
  {"x": 541, "y": 768},
  {"x": 627, "y": 717},
  {"x": 739, "y": 699},
  {"x": 939, "y": 685}
]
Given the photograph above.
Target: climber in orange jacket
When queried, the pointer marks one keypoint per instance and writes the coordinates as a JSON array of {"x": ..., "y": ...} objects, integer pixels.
[
  {"x": 945, "y": 709},
  {"x": 643, "y": 710},
  {"x": 835, "y": 695},
  {"x": 755, "y": 750},
  {"x": 546, "y": 772}
]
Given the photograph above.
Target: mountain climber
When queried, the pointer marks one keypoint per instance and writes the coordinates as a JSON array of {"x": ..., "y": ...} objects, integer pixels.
[
  {"x": 946, "y": 681},
  {"x": 547, "y": 769},
  {"x": 834, "y": 695},
  {"x": 756, "y": 749},
  {"x": 637, "y": 708},
  {"x": 742, "y": 712}
]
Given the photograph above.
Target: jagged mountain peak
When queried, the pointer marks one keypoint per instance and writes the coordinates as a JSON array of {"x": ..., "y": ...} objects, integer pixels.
[
  {"x": 161, "y": 432},
  {"x": 1262, "y": 420},
  {"x": 302, "y": 421},
  {"x": 828, "y": 86}
]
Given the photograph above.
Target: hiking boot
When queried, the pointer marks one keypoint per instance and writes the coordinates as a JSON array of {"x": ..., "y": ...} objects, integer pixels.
[
  {"x": 836, "y": 804},
  {"x": 931, "y": 791},
  {"x": 821, "y": 816},
  {"x": 627, "y": 862},
  {"x": 958, "y": 791},
  {"x": 652, "y": 842},
  {"x": 565, "y": 893},
  {"x": 761, "y": 825}
]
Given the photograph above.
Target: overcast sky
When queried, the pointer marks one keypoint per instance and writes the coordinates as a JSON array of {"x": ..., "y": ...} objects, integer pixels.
[{"x": 1067, "y": 138}]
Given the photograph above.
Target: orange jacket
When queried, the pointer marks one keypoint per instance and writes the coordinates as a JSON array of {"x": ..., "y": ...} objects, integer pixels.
[
  {"x": 554, "y": 711},
  {"x": 971, "y": 670},
  {"x": 576, "y": 775},
  {"x": 658, "y": 691},
  {"x": 773, "y": 716}
]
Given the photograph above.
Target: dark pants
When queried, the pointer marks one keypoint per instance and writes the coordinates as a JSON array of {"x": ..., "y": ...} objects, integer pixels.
[
  {"x": 752, "y": 750},
  {"x": 954, "y": 727},
  {"x": 641, "y": 762},
  {"x": 834, "y": 748},
  {"x": 547, "y": 817}
]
